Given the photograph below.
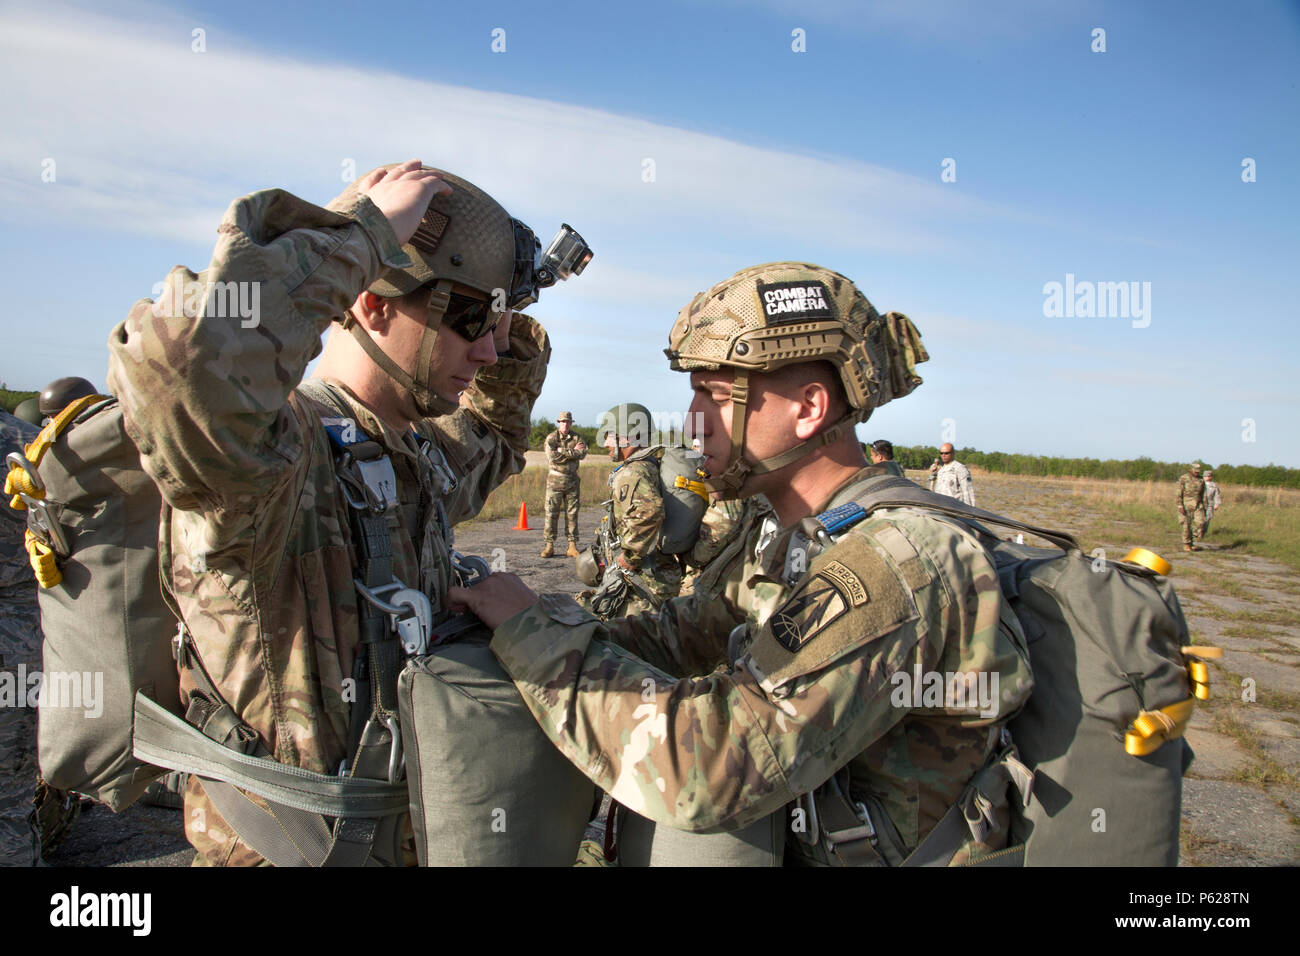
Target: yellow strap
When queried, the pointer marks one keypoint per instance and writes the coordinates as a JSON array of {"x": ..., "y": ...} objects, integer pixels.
[
  {"x": 1152, "y": 728},
  {"x": 43, "y": 561},
  {"x": 1203, "y": 651},
  {"x": 1148, "y": 559},
  {"x": 681, "y": 481},
  {"x": 18, "y": 481}
]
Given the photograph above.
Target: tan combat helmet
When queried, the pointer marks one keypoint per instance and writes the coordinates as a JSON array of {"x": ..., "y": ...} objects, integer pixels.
[
  {"x": 769, "y": 316},
  {"x": 466, "y": 238}
]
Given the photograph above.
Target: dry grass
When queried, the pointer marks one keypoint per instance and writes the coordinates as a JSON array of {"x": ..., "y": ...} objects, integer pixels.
[
  {"x": 1259, "y": 521},
  {"x": 529, "y": 486}
]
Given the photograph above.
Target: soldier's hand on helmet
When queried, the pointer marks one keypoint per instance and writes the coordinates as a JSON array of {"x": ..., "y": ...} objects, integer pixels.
[
  {"x": 495, "y": 599},
  {"x": 403, "y": 193}
]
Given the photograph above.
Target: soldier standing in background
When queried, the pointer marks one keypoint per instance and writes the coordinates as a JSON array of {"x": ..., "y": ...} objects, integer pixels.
[
  {"x": 950, "y": 477},
  {"x": 1213, "y": 500},
  {"x": 563, "y": 451},
  {"x": 1191, "y": 506},
  {"x": 638, "y": 577},
  {"x": 882, "y": 453}
]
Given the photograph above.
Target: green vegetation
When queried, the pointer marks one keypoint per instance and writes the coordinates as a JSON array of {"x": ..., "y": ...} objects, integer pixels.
[
  {"x": 1141, "y": 469},
  {"x": 10, "y": 399}
]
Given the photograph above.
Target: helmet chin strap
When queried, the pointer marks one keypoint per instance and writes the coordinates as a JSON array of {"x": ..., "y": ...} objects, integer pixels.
[
  {"x": 728, "y": 484},
  {"x": 427, "y": 402}
]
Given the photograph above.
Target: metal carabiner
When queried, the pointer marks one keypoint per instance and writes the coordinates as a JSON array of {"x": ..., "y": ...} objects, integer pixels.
[{"x": 396, "y": 758}]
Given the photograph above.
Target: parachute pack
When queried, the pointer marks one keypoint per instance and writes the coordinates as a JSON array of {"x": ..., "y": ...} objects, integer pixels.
[
  {"x": 685, "y": 498},
  {"x": 92, "y": 535},
  {"x": 1116, "y": 679}
]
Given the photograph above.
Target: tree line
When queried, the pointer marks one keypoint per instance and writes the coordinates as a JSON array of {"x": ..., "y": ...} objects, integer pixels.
[{"x": 1138, "y": 469}]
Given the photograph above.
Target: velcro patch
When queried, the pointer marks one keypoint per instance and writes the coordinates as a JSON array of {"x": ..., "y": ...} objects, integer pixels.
[
  {"x": 852, "y": 596},
  {"x": 795, "y": 301}
]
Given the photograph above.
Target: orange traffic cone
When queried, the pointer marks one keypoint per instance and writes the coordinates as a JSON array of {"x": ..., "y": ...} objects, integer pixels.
[{"x": 522, "y": 523}]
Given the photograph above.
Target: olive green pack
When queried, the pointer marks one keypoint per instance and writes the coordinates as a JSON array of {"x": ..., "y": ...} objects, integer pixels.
[
  {"x": 487, "y": 788},
  {"x": 1115, "y": 683},
  {"x": 107, "y": 629}
]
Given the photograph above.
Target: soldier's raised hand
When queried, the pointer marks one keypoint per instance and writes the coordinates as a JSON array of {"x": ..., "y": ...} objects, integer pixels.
[{"x": 402, "y": 194}]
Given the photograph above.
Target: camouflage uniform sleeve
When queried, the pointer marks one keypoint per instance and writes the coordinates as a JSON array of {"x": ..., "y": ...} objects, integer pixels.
[
  {"x": 638, "y": 510},
  {"x": 719, "y": 752},
  {"x": 485, "y": 439},
  {"x": 205, "y": 396},
  {"x": 554, "y": 453}
]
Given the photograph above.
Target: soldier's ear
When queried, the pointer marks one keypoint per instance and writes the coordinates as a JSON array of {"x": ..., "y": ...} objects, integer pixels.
[{"x": 372, "y": 311}]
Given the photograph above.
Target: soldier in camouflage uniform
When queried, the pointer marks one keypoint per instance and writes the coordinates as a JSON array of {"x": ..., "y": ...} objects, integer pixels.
[
  {"x": 20, "y": 654},
  {"x": 808, "y": 641},
  {"x": 262, "y": 550},
  {"x": 1191, "y": 506},
  {"x": 638, "y": 576},
  {"x": 563, "y": 451}
]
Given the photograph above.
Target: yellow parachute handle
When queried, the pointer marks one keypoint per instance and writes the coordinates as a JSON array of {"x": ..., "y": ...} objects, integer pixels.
[
  {"x": 1148, "y": 559},
  {"x": 1203, "y": 651},
  {"x": 22, "y": 481},
  {"x": 43, "y": 561},
  {"x": 1152, "y": 728},
  {"x": 681, "y": 481}
]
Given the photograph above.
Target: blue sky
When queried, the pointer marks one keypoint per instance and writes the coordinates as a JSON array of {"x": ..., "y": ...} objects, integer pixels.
[{"x": 1115, "y": 166}]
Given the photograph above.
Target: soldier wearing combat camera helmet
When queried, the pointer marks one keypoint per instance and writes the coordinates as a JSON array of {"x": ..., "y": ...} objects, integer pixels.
[
  {"x": 298, "y": 510},
  {"x": 809, "y": 625}
]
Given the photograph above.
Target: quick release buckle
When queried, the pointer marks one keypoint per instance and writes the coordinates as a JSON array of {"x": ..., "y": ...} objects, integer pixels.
[
  {"x": 852, "y": 834},
  {"x": 410, "y": 615}
]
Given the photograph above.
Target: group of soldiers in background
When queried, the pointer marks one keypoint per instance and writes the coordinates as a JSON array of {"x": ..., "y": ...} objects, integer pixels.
[{"x": 1198, "y": 499}]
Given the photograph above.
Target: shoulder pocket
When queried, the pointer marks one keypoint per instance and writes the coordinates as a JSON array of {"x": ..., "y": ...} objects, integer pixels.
[{"x": 851, "y": 596}]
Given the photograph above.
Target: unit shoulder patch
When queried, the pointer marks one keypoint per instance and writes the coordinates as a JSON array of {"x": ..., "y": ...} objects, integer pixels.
[{"x": 851, "y": 596}]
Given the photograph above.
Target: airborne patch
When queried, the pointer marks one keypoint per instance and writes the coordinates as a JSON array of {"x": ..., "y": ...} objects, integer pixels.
[
  {"x": 849, "y": 581},
  {"x": 815, "y": 606},
  {"x": 795, "y": 301}
]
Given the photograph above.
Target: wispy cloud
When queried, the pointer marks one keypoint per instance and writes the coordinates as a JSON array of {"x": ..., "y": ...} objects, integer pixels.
[{"x": 128, "y": 112}]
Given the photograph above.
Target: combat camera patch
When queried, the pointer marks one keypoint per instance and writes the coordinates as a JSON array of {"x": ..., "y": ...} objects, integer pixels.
[{"x": 795, "y": 301}]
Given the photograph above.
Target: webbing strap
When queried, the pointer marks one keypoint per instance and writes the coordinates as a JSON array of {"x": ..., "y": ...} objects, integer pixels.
[
  {"x": 893, "y": 492},
  {"x": 288, "y": 838},
  {"x": 19, "y": 481},
  {"x": 165, "y": 740}
]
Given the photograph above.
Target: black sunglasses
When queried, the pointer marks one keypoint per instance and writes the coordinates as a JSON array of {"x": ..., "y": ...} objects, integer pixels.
[{"x": 471, "y": 319}]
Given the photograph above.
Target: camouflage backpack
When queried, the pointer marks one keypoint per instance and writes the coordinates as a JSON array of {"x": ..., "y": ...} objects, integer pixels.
[{"x": 1115, "y": 684}]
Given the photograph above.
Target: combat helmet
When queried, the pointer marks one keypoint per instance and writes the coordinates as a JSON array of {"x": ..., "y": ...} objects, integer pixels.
[
  {"x": 769, "y": 316},
  {"x": 466, "y": 238},
  {"x": 630, "y": 424},
  {"x": 62, "y": 392},
  {"x": 29, "y": 411}
]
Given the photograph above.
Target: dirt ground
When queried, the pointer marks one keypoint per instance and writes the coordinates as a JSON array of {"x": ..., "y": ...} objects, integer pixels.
[{"x": 1240, "y": 803}]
